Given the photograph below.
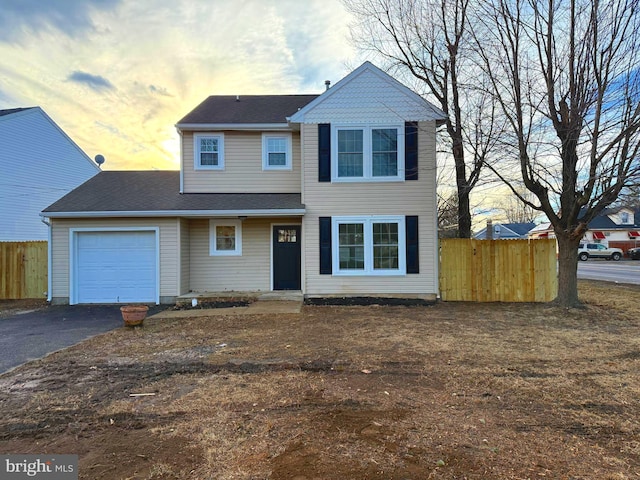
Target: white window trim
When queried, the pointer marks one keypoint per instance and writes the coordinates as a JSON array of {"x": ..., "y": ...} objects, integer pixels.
[
  {"x": 213, "y": 251},
  {"x": 368, "y": 222},
  {"x": 367, "y": 154},
  {"x": 196, "y": 151},
  {"x": 265, "y": 152}
]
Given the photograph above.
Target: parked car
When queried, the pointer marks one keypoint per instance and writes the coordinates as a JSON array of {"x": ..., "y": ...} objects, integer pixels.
[
  {"x": 634, "y": 253},
  {"x": 598, "y": 250}
]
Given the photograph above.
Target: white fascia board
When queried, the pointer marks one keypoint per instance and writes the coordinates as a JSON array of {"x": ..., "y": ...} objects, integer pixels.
[
  {"x": 200, "y": 127},
  {"x": 178, "y": 213}
]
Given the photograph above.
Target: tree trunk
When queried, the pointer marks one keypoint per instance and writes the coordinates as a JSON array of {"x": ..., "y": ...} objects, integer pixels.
[
  {"x": 464, "y": 214},
  {"x": 464, "y": 209},
  {"x": 567, "y": 270}
]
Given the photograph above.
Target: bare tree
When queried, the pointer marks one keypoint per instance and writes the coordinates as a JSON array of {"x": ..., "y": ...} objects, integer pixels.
[
  {"x": 518, "y": 211},
  {"x": 430, "y": 40},
  {"x": 447, "y": 215},
  {"x": 566, "y": 76}
]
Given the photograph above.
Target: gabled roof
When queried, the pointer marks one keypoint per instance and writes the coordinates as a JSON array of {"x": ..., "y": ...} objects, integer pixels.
[
  {"x": 603, "y": 222},
  {"x": 156, "y": 193},
  {"x": 35, "y": 110},
  {"x": 364, "y": 98},
  {"x": 245, "y": 109},
  {"x": 9, "y": 111},
  {"x": 519, "y": 228},
  {"x": 509, "y": 230}
]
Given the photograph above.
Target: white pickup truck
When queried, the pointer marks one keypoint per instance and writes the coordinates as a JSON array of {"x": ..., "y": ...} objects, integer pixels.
[{"x": 598, "y": 250}]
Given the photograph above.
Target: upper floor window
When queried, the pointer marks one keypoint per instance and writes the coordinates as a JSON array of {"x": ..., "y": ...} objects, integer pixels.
[
  {"x": 209, "y": 152},
  {"x": 276, "y": 151},
  {"x": 225, "y": 237},
  {"x": 624, "y": 217},
  {"x": 367, "y": 153}
]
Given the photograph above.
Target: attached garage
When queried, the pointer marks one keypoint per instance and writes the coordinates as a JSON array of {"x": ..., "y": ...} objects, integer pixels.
[{"x": 114, "y": 266}]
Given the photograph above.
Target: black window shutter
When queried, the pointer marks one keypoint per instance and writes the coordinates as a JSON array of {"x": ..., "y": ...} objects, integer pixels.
[
  {"x": 413, "y": 260},
  {"x": 324, "y": 152},
  {"x": 325, "y": 246},
  {"x": 411, "y": 151}
]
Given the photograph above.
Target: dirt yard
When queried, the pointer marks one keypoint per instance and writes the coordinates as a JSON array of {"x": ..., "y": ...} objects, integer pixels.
[{"x": 452, "y": 391}]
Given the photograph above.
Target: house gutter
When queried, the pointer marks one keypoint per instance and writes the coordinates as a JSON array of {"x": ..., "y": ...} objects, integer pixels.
[
  {"x": 200, "y": 127},
  {"x": 181, "y": 213}
]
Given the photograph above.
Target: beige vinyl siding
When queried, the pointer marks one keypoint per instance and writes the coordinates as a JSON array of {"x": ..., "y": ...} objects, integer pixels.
[
  {"x": 185, "y": 253},
  {"x": 242, "y": 167},
  {"x": 249, "y": 272},
  {"x": 325, "y": 199},
  {"x": 60, "y": 250}
]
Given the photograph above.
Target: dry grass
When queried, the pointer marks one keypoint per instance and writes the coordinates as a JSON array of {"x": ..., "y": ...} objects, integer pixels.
[{"x": 477, "y": 391}]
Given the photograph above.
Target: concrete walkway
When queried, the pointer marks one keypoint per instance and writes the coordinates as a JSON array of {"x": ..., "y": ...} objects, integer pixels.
[{"x": 260, "y": 307}]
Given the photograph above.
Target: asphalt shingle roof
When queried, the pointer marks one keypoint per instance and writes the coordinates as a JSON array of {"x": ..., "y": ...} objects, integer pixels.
[
  {"x": 519, "y": 228},
  {"x": 158, "y": 191},
  {"x": 222, "y": 109}
]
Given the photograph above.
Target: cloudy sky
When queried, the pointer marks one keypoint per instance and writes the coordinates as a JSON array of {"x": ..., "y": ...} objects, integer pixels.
[{"x": 117, "y": 75}]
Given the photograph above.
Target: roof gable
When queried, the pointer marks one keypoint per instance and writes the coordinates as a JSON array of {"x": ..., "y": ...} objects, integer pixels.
[
  {"x": 15, "y": 113},
  {"x": 368, "y": 95}
]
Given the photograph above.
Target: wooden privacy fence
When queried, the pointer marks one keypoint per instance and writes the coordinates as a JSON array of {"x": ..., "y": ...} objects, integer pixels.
[
  {"x": 23, "y": 270},
  {"x": 498, "y": 270}
]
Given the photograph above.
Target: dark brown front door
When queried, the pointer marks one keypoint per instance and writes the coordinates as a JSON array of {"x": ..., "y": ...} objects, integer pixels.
[{"x": 286, "y": 257}]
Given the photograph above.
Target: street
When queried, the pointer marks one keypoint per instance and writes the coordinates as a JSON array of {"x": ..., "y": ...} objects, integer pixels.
[{"x": 625, "y": 271}]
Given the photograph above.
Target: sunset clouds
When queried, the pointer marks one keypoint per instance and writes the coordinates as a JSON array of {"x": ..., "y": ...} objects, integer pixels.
[{"x": 117, "y": 75}]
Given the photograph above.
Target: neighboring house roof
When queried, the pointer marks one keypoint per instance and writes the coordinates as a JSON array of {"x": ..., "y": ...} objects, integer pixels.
[
  {"x": 604, "y": 222},
  {"x": 509, "y": 230},
  {"x": 156, "y": 193},
  {"x": 245, "y": 109},
  {"x": 519, "y": 228},
  {"x": 368, "y": 93},
  {"x": 9, "y": 111}
]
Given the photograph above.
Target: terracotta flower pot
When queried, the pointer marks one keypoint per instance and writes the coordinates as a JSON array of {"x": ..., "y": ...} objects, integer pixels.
[{"x": 133, "y": 314}]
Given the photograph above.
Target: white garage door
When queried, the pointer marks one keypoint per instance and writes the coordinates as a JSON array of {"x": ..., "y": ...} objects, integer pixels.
[{"x": 115, "y": 267}]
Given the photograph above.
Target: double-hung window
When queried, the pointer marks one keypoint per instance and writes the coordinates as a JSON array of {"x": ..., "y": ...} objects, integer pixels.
[
  {"x": 372, "y": 245},
  {"x": 276, "y": 151},
  {"x": 225, "y": 237},
  {"x": 367, "y": 153},
  {"x": 209, "y": 152}
]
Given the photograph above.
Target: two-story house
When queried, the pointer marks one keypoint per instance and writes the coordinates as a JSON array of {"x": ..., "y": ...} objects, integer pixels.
[{"x": 330, "y": 195}]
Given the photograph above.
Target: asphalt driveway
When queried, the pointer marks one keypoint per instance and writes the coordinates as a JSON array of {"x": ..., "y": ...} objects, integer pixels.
[{"x": 32, "y": 335}]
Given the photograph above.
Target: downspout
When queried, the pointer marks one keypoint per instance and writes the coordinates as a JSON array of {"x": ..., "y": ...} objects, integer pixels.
[
  {"x": 49, "y": 236},
  {"x": 181, "y": 161}
]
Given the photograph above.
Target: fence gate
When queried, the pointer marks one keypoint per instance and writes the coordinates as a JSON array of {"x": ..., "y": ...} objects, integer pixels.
[
  {"x": 23, "y": 270},
  {"x": 498, "y": 270}
]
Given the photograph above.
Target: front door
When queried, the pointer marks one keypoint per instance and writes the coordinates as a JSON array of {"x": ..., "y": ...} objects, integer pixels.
[{"x": 286, "y": 257}]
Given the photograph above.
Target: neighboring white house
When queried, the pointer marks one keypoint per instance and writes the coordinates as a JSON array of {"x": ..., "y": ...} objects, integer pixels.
[{"x": 39, "y": 164}]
